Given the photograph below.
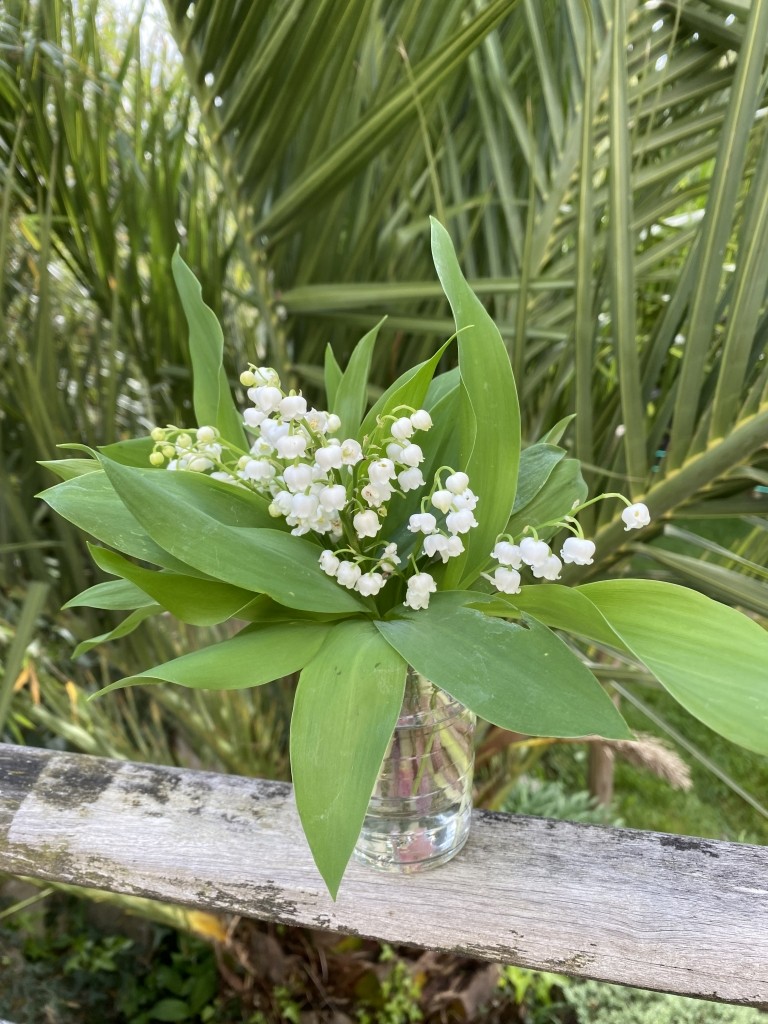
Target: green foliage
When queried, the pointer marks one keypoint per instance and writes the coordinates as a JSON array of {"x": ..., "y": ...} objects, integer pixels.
[
  {"x": 397, "y": 1000},
  {"x": 552, "y": 800},
  {"x": 347, "y": 704},
  {"x": 595, "y": 1003},
  {"x": 59, "y": 966}
]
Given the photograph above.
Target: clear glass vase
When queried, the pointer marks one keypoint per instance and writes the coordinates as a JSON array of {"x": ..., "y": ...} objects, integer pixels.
[{"x": 421, "y": 806}]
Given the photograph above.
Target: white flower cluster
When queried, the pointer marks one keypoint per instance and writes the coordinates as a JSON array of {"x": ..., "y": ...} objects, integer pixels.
[
  {"x": 341, "y": 488},
  {"x": 325, "y": 485},
  {"x": 544, "y": 564}
]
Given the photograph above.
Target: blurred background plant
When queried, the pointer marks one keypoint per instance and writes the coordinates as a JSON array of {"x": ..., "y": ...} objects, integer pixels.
[{"x": 602, "y": 166}]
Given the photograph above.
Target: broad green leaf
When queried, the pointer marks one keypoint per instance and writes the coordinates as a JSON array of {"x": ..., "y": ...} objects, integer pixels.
[
  {"x": 352, "y": 391},
  {"x": 67, "y": 469},
  {"x": 90, "y": 502},
  {"x": 718, "y": 581},
  {"x": 227, "y": 503},
  {"x": 536, "y": 465},
  {"x": 564, "y": 486},
  {"x": 183, "y": 517},
  {"x": 409, "y": 389},
  {"x": 133, "y": 452},
  {"x": 490, "y": 453},
  {"x": 560, "y": 607},
  {"x": 197, "y": 601},
  {"x": 127, "y": 626},
  {"x": 255, "y": 656},
  {"x": 114, "y": 595},
  {"x": 520, "y": 677},
  {"x": 211, "y": 396},
  {"x": 710, "y": 657},
  {"x": 347, "y": 704},
  {"x": 440, "y": 386},
  {"x": 331, "y": 377}
]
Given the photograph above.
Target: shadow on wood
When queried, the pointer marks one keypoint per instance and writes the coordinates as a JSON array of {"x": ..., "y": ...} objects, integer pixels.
[{"x": 637, "y": 908}]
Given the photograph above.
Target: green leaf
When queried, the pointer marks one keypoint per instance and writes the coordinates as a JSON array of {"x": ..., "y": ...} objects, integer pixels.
[
  {"x": 192, "y": 520},
  {"x": 212, "y": 396},
  {"x": 347, "y": 705},
  {"x": 257, "y": 655},
  {"x": 67, "y": 469},
  {"x": 536, "y": 466},
  {"x": 331, "y": 377},
  {"x": 352, "y": 391},
  {"x": 90, "y": 502},
  {"x": 114, "y": 595},
  {"x": 711, "y": 658},
  {"x": 129, "y": 623},
  {"x": 490, "y": 444},
  {"x": 564, "y": 486},
  {"x": 410, "y": 388},
  {"x": 197, "y": 601},
  {"x": 133, "y": 452},
  {"x": 560, "y": 607},
  {"x": 520, "y": 677}
]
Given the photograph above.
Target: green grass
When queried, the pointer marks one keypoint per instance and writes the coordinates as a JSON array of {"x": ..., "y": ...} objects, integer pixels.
[{"x": 711, "y": 809}]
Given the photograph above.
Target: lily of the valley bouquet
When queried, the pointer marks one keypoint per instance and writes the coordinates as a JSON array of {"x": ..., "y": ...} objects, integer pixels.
[{"x": 350, "y": 544}]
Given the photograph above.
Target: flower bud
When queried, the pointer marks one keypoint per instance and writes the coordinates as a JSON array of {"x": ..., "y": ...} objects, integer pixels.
[
  {"x": 158, "y": 434},
  {"x": 442, "y": 500},
  {"x": 207, "y": 435},
  {"x": 157, "y": 458}
]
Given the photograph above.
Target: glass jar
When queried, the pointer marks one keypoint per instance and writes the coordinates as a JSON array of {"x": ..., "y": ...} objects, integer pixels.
[{"x": 421, "y": 806}]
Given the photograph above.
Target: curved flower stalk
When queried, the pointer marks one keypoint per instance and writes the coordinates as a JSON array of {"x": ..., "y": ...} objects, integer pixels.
[{"x": 352, "y": 544}]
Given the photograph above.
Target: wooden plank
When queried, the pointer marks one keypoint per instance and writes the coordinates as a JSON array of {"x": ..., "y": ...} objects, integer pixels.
[{"x": 638, "y": 908}]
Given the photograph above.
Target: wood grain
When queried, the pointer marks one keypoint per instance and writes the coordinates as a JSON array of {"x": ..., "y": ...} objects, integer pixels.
[{"x": 638, "y": 908}]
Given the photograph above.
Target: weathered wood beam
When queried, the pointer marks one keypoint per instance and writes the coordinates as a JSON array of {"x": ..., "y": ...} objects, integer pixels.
[{"x": 638, "y": 908}]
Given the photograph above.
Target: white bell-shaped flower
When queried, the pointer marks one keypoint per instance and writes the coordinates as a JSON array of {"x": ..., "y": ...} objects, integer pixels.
[
  {"x": 410, "y": 480},
  {"x": 457, "y": 483},
  {"x": 411, "y": 455},
  {"x": 298, "y": 478},
  {"x": 548, "y": 570},
  {"x": 351, "y": 452},
  {"x": 253, "y": 417},
  {"x": 534, "y": 552},
  {"x": 376, "y": 495},
  {"x": 577, "y": 551},
  {"x": 381, "y": 471},
  {"x": 329, "y": 562},
  {"x": 366, "y": 524},
  {"x": 419, "y": 588},
  {"x": 329, "y": 458},
  {"x": 267, "y": 398},
  {"x": 467, "y": 499},
  {"x": 636, "y": 516},
  {"x": 507, "y": 580},
  {"x": 421, "y": 419},
  {"x": 422, "y": 522},
  {"x": 333, "y": 498},
  {"x": 435, "y": 544},
  {"x": 402, "y": 428},
  {"x": 442, "y": 500},
  {"x": 508, "y": 554},
  {"x": 460, "y": 522},
  {"x": 348, "y": 573},
  {"x": 370, "y": 583},
  {"x": 333, "y": 423},
  {"x": 293, "y": 407},
  {"x": 292, "y": 446},
  {"x": 207, "y": 435}
]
